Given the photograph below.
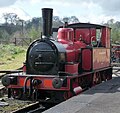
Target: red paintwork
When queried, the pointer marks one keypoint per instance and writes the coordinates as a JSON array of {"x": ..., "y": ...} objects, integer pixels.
[
  {"x": 24, "y": 68},
  {"x": 72, "y": 47},
  {"x": 67, "y": 41},
  {"x": 98, "y": 58},
  {"x": 86, "y": 61},
  {"x": 71, "y": 68},
  {"x": 45, "y": 85},
  {"x": 86, "y": 35},
  {"x": 66, "y": 34},
  {"x": 105, "y": 38}
]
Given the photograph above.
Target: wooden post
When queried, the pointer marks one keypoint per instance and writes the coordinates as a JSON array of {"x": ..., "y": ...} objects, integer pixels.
[{"x": 15, "y": 42}]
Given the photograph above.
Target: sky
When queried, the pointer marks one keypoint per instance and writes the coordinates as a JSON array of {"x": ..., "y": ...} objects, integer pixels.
[{"x": 93, "y": 11}]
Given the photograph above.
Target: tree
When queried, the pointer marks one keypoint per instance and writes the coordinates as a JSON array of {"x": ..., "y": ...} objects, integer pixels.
[
  {"x": 57, "y": 22},
  {"x": 115, "y": 30},
  {"x": 4, "y": 35},
  {"x": 35, "y": 23},
  {"x": 117, "y": 24},
  {"x": 66, "y": 19},
  {"x": 33, "y": 34},
  {"x": 110, "y": 22},
  {"x": 74, "y": 19},
  {"x": 10, "y": 18}
]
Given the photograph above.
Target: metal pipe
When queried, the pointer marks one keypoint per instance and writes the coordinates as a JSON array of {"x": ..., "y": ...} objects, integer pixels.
[{"x": 25, "y": 84}]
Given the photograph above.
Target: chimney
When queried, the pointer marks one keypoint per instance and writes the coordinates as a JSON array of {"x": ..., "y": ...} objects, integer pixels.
[{"x": 47, "y": 15}]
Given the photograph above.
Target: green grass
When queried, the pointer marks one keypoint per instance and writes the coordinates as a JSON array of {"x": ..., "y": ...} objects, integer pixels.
[{"x": 11, "y": 57}]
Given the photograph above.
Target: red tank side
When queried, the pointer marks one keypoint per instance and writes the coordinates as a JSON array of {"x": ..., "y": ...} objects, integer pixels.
[
  {"x": 72, "y": 44},
  {"x": 66, "y": 37}
]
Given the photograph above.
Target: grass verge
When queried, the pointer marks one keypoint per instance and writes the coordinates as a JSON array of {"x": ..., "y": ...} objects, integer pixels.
[{"x": 11, "y": 57}]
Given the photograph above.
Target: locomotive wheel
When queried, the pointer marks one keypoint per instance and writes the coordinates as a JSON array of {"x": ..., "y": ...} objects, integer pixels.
[
  {"x": 104, "y": 78},
  {"x": 67, "y": 95},
  {"x": 16, "y": 93},
  {"x": 97, "y": 78}
]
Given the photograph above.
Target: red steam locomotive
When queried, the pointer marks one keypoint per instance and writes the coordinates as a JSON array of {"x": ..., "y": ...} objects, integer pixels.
[{"x": 56, "y": 70}]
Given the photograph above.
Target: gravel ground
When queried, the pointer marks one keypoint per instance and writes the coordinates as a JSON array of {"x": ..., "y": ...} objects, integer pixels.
[{"x": 8, "y": 105}]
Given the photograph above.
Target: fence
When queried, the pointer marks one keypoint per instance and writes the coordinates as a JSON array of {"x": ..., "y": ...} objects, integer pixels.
[{"x": 17, "y": 41}]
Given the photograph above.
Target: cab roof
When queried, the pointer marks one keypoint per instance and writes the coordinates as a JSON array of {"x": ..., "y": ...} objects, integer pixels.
[
  {"x": 82, "y": 25},
  {"x": 86, "y": 25}
]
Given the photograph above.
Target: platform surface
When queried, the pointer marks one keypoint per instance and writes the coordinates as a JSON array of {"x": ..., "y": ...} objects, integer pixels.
[{"x": 103, "y": 98}]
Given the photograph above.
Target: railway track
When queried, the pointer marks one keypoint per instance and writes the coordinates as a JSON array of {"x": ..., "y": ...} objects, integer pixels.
[
  {"x": 22, "y": 106},
  {"x": 36, "y": 107},
  {"x": 32, "y": 108}
]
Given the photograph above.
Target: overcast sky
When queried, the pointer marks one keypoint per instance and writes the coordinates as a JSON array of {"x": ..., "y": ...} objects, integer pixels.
[{"x": 94, "y": 11}]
